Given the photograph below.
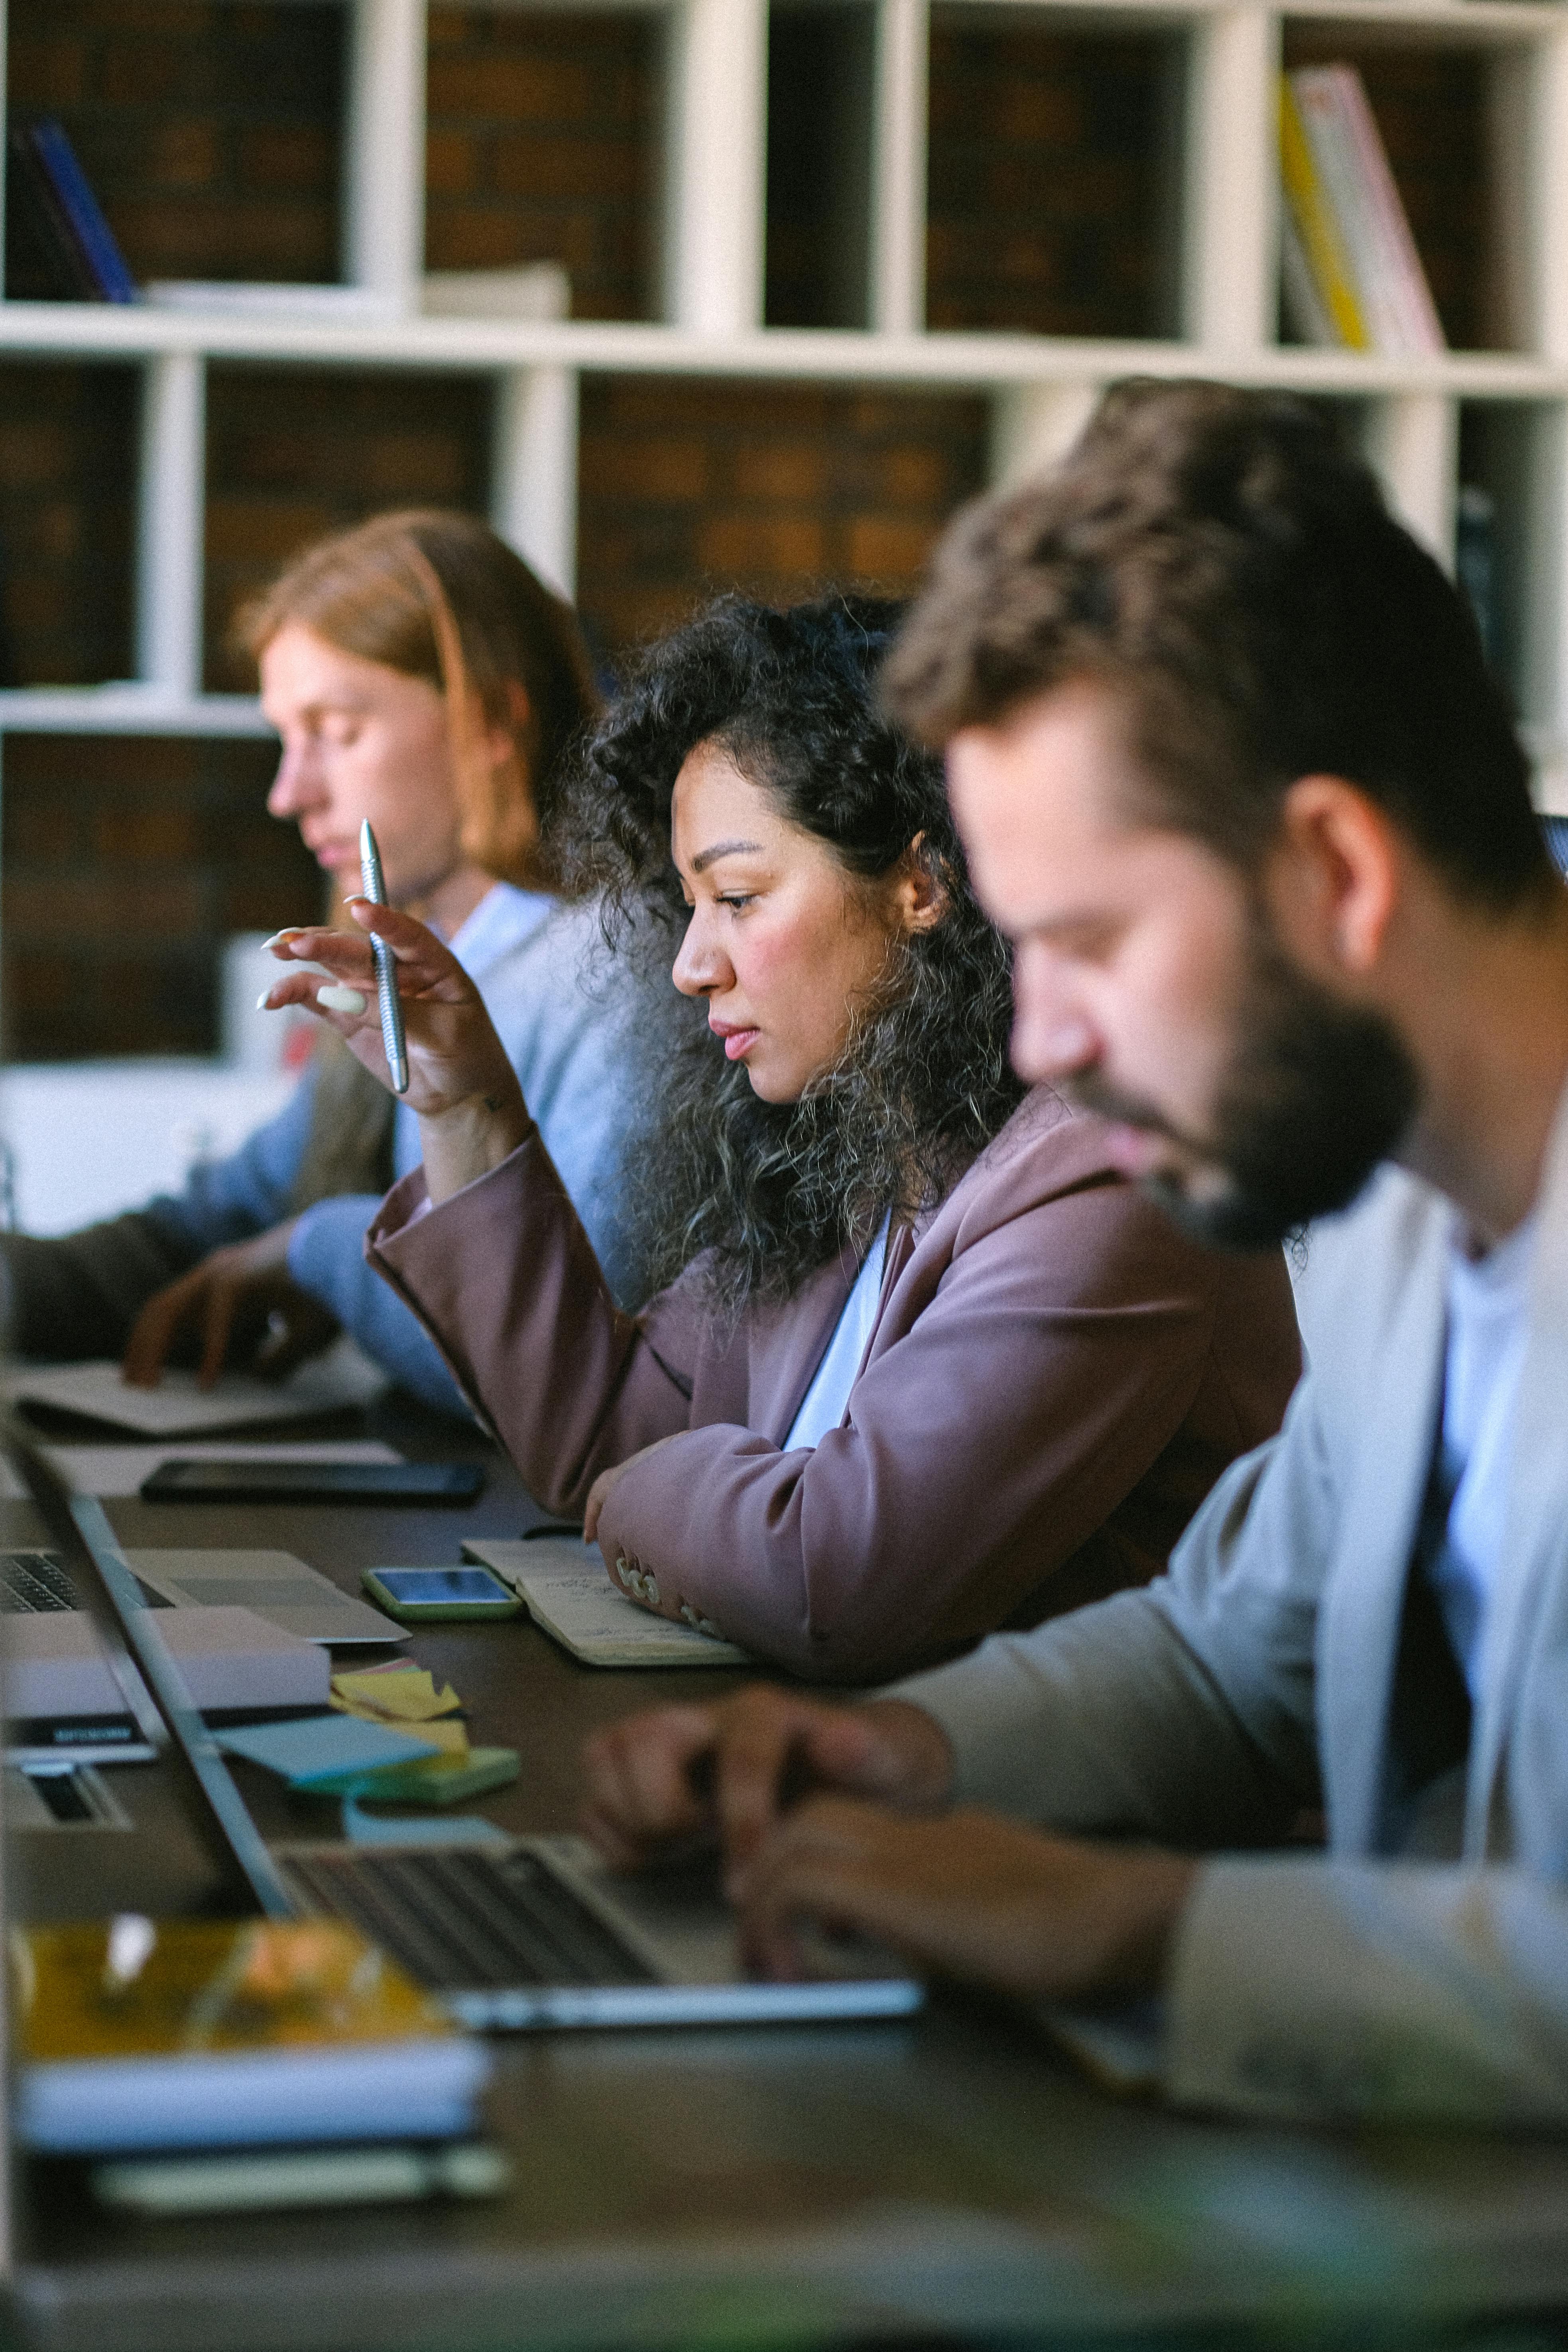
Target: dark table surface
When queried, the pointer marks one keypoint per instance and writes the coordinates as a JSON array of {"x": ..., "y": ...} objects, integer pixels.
[{"x": 944, "y": 2175}]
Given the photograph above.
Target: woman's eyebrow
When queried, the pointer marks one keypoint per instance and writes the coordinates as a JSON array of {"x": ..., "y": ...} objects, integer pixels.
[{"x": 722, "y": 849}]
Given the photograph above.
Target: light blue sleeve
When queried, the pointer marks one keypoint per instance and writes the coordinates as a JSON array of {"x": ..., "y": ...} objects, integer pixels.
[
  {"x": 561, "y": 1012},
  {"x": 326, "y": 1257},
  {"x": 231, "y": 1200}
]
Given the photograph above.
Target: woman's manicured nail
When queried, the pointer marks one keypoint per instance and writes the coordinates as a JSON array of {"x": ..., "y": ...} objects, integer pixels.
[
  {"x": 292, "y": 932},
  {"x": 337, "y": 999},
  {"x": 264, "y": 1001}
]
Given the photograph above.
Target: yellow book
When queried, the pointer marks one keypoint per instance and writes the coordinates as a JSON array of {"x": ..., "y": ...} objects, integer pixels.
[
  {"x": 136, "y": 2033},
  {"x": 1313, "y": 217}
]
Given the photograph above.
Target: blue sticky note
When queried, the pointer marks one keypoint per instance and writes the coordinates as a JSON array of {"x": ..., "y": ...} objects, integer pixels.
[
  {"x": 323, "y": 1749},
  {"x": 442, "y": 1829}
]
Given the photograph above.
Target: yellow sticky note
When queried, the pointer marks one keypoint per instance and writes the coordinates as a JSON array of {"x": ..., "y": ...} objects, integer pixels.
[
  {"x": 407, "y": 1694},
  {"x": 450, "y": 1738}
]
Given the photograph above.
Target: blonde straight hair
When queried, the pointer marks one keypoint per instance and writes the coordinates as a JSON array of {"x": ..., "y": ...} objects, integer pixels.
[{"x": 437, "y": 595}]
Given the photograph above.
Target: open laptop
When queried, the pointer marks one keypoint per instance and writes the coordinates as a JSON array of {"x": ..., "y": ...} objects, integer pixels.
[{"x": 532, "y": 1932}]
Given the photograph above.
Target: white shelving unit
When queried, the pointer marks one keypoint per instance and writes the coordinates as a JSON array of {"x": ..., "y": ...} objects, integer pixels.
[{"x": 1040, "y": 388}]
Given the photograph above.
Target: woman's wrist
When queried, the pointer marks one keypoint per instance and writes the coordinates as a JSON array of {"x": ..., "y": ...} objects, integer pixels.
[{"x": 471, "y": 1136}]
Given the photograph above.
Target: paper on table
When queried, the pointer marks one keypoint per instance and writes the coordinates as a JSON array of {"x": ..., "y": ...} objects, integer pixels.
[
  {"x": 343, "y": 1375},
  {"x": 120, "y": 1469},
  {"x": 567, "y": 1592}
]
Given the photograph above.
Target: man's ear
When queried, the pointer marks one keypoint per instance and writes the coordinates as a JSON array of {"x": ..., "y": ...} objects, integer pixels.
[
  {"x": 506, "y": 738},
  {"x": 1333, "y": 877},
  {"x": 920, "y": 894}
]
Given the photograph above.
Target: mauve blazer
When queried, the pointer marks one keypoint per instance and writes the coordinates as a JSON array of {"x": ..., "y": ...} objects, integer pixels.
[{"x": 1054, "y": 1379}]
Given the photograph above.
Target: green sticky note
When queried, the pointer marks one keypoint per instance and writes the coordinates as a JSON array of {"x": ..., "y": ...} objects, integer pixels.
[{"x": 441, "y": 1780}]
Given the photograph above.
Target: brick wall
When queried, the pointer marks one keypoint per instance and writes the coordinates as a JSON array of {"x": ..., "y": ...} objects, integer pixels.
[
  {"x": 126, "y": 864},
  {"x": 209, "y": 131},
  {"x": 542, "y": 147},
  {"x": 689, "y": 488},
  {"x": 1051, "y": 179},
  {"x": 67, "y": 472},
  {"x": 293, "y": 453}
]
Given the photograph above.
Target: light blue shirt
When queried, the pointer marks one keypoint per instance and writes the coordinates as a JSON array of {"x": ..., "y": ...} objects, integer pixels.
[
  {"x": 822, "y": 1407},
  {"x": 536, "y": 964},
  {"x": 1487, "y": 1326}
]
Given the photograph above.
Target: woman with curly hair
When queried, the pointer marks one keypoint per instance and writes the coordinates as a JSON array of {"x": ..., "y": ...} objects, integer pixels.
[{"x": 923, "y": 1363}]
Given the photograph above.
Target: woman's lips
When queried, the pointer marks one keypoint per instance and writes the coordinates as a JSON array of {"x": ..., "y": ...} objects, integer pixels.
[{"x": 736, "y": 1040}]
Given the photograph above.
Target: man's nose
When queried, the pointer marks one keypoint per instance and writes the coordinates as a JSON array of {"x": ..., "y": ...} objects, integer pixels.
[
  {"x": 1053, "y": 1036},
  {"x": 296, "y": 785}
]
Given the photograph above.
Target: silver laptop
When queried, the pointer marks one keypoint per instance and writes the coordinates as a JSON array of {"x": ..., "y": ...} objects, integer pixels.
[
  {"x": 272, "y": 1585},
  {"x": 534, "y": 1932}
]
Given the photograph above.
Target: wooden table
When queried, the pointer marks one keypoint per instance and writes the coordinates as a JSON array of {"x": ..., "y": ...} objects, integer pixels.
[{"x": 940, "y": 2176}]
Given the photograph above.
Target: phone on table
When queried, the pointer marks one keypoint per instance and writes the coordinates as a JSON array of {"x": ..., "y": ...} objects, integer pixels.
[
  {"x": 191, "y": 1481},
  {"x": 415, "y": 1595}
]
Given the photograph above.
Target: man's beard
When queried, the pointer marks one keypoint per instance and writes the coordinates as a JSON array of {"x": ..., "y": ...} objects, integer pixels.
[{"x": 1316, "y": 1095}]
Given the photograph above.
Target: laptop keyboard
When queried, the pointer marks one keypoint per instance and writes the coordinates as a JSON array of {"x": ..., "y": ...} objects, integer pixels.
[
  {"x": 33, "y": 1583},
  {"x": 467, "y": 1921}
]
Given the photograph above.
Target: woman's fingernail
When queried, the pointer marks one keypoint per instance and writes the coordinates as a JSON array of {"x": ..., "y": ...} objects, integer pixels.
[
  {"x": 264, "y": 1001},
  {"x": 292, "y": 932},
  {"x": 337, "y": 999}
]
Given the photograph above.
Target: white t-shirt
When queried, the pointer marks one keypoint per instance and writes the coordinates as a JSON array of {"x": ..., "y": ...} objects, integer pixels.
[
  {"x": 1486, "y": 1332},
  {"x": 822, "y": 1407}
]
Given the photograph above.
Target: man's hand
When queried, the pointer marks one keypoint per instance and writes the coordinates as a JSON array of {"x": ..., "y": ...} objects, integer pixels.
[
  {"x": 661, "y": 1779},
  {"x": 970, "y": 1896},
  {"x": 239, "y": 1303}
]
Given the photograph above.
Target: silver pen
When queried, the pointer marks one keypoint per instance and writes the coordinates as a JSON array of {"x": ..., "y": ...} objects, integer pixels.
[{"x": 392, "y": 1036}]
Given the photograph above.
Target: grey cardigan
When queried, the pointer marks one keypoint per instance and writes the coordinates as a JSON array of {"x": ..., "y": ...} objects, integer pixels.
[{"x": 1423, "y": 1965}]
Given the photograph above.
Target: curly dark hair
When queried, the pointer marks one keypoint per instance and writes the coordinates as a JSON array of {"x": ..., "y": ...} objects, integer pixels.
[{"x": 769, "y": 1192}]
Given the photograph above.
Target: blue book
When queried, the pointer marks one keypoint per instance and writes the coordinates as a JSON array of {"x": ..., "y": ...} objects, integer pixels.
[{"x": 83, "y": 211}]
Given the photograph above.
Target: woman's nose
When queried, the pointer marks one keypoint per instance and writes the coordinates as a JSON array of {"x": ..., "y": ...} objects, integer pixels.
[{"x": 701, "y": 965}]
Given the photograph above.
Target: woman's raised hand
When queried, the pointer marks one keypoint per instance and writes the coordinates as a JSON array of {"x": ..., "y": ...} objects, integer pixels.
[{"x": 466, "y": 1093}]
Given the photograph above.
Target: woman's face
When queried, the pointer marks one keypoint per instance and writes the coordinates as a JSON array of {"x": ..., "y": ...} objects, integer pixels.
[{"x": 783, "y": 944}]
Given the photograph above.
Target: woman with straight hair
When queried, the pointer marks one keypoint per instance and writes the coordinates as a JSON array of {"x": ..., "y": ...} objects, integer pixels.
[
  {"x": 921, "y": 1362},
  {"x": 421, "y": 676}
]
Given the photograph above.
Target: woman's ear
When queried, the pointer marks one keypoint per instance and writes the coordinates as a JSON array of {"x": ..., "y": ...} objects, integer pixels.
[{"x": 920, "y": 894}]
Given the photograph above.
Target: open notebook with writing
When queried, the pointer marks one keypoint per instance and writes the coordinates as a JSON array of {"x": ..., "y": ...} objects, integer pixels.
[{"x": 561, "y": 1583}]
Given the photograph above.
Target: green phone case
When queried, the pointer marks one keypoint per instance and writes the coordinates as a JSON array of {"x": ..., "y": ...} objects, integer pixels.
[{"x": 430, "y": 1613}]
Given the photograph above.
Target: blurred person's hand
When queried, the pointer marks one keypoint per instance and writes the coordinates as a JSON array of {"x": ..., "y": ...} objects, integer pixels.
[{"x": 241, "y": 1306}]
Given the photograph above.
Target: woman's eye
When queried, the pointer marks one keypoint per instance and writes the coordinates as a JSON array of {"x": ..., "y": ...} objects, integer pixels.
[{"x": 736, "y": 898}]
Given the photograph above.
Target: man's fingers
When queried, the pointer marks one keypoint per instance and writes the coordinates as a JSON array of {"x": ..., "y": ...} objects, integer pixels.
[
  {"x": 757, "y": 1738},
  {"x": 818, "y": 1866},
  {"x": 152, "y": 1335},
  {"x": 638, "y": 1787},
  {"x": 217, "y": 1305}
]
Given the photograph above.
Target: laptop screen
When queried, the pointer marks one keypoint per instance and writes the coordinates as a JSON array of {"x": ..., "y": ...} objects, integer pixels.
[{"x": 109, "y": 1593}]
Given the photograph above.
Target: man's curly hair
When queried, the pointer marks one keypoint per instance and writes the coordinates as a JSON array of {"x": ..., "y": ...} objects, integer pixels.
[{"x": 769, "y": 1192}]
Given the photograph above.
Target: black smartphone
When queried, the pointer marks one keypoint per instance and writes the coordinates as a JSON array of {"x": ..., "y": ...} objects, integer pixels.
[{"x": 313, "y": 1482}]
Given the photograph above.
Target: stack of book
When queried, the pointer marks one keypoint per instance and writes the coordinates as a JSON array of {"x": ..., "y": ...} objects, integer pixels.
[
  {"x": 1351, "y": 277},
  {"x": 58, "y": 247}
]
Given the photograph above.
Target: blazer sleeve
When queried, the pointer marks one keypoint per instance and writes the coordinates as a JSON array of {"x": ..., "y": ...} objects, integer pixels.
[
  {"x": 1055, "y": 1355},
  {"x": 505, "y": 1280}
]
